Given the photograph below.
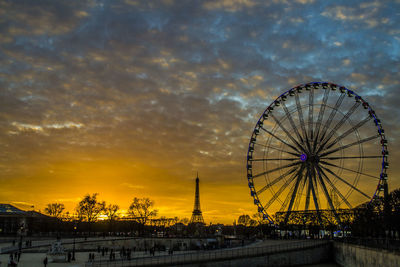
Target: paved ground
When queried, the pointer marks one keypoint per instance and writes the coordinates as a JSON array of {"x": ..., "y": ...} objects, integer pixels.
[
  {"x": 36, "y": 259},
  {"x": 322, "y": 265}
]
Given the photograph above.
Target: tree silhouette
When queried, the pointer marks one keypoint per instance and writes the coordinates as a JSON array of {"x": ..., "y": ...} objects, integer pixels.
[
  {"x": 246, "y": 220},
  {"x": 111, "y": 211},
  {"x": 54, "y": 209},
  {"x": 394, "y": 201},
  {"x": 184, "y": 221},
  {"x": 89, "y": 208},
  {"x": 142, "y": 209}
]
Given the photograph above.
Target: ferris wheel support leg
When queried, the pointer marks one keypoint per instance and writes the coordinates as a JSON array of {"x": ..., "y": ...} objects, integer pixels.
[{"x": 387, "y": 210}]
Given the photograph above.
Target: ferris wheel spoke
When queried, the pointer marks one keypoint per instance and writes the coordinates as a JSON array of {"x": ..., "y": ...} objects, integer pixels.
[
  {"x": 331, "y": 116},
  {"x": 327, "y": 196},
  {"x": 355, "y": 157},
  {"x": 286, "y": 132},
  {"x": 315, "y": 184},
  {"x": 308, "y": 191},
  {"x": 278, "y": 149},
  {"x": 334, "y": 187},
  {"x": 313, "y": 191},
  {"x": 294, "y": 193},
  {"x": 281, "y": 189},
  {"x": 339, "y": 124},
  {"x": 345, "y": 182},
  {"x": 350, "y": 145},
  {"x": 274, "y": 159},
  {"x": 278, "y": 138},
  {"x": 311, "y": 113},
  {"x": 347, "y": 169},
  {"x": 287, "y": 198},
  {"x": 320, "y": 116},
  {"x": 353, "y": 129},
  {"x": 276, "y": 180},
  {"x": 292, "y": 122},
  {"x": 277, "y": 169},
  {"x": 301, "y": 118},
  {"x": 300, "y": 190}
]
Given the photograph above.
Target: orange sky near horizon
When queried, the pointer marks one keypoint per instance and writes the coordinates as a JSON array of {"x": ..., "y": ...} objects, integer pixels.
[{"x": 118, "y": 182}]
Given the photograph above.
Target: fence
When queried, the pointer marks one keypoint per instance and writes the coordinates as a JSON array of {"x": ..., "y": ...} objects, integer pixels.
[{"x": 207, "y": 256}]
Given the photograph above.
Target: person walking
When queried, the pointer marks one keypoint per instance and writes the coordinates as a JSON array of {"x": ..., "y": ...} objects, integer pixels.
[
  {"x": 11, "y": 261},
  {"x": 45, "y": 262}
]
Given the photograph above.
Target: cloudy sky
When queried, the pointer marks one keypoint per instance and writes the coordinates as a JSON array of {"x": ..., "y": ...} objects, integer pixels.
[{"x": 132, "y": 98}]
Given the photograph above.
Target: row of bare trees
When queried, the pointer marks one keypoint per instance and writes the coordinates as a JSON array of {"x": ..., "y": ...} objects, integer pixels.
[
  {"x": 255, "y": 220},
  {"x": 90, "y": 209}
]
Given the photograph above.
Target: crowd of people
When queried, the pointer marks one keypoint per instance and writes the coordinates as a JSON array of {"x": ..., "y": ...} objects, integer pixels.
[
  {"x": 103, "y": 252},
  {"x": 14, "y": 258},
  {"x": 124, "y": 253}
]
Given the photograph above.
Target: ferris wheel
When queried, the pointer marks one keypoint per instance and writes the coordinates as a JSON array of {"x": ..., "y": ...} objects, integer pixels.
[{"x": 316, "y": 147}]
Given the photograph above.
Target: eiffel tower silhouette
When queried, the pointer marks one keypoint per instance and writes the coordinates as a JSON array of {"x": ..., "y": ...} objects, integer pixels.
[{"x": 197, "y": 216}]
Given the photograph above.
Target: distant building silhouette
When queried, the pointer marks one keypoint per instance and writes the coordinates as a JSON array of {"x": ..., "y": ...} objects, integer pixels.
[
  {"x": 15, "y": 221},
  {"x": 197, "y": 216}
]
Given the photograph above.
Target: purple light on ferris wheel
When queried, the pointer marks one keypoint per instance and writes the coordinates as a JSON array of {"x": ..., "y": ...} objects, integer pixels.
[{"x": 303, "y": 157}]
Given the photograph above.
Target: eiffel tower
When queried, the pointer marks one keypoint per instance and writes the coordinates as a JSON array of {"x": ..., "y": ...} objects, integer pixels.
[{"x": 197, "y": 216}]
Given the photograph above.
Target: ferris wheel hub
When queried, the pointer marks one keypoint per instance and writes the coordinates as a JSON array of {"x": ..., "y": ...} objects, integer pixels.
[
  {"x": 310, "y": 158},
  {"x": 313, "y": 158}
]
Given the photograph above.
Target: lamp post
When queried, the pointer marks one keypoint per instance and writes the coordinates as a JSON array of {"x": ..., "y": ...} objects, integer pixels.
[
  {"x": 73, "y": 248},
  {"x": 20, "y": 238}
]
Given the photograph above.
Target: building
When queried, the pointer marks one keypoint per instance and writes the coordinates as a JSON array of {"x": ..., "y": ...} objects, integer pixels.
[{"x": 14, "y": 221}]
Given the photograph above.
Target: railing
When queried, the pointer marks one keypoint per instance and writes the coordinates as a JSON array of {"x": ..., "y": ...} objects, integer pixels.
[
  {"x": 206, "y": 256},
  {"x": 46, "y": 243},
  {"x": 380, "y": 243}
]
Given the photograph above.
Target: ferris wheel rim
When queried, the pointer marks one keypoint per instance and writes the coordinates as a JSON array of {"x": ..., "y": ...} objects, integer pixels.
[{"x": 302, "y": 155}]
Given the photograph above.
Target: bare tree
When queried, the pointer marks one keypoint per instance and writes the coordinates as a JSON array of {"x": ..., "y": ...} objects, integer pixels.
[
  {"x": 142, "y": 209},
  {"x": 67, "y": 217},
  {"x": 111, "y": 211},
  {"x": 54, "y": 209},
  {"x": 259, "y": 218},
  {"x": 246, "y": 220},
  {"x": 394, "y": 201},
  {"x": 164, "y": 221},
  {"x": 89, "y": 208},
  {"x": 184, "y": 221}
]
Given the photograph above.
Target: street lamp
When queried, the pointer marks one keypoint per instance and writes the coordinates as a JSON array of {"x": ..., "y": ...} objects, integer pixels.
[
  {"x": 20, "y": 239},
  {"x": 73, "y": 248}
]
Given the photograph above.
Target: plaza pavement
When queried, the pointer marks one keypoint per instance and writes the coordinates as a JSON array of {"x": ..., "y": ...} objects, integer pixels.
[{"x": 36, "y": 259}]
